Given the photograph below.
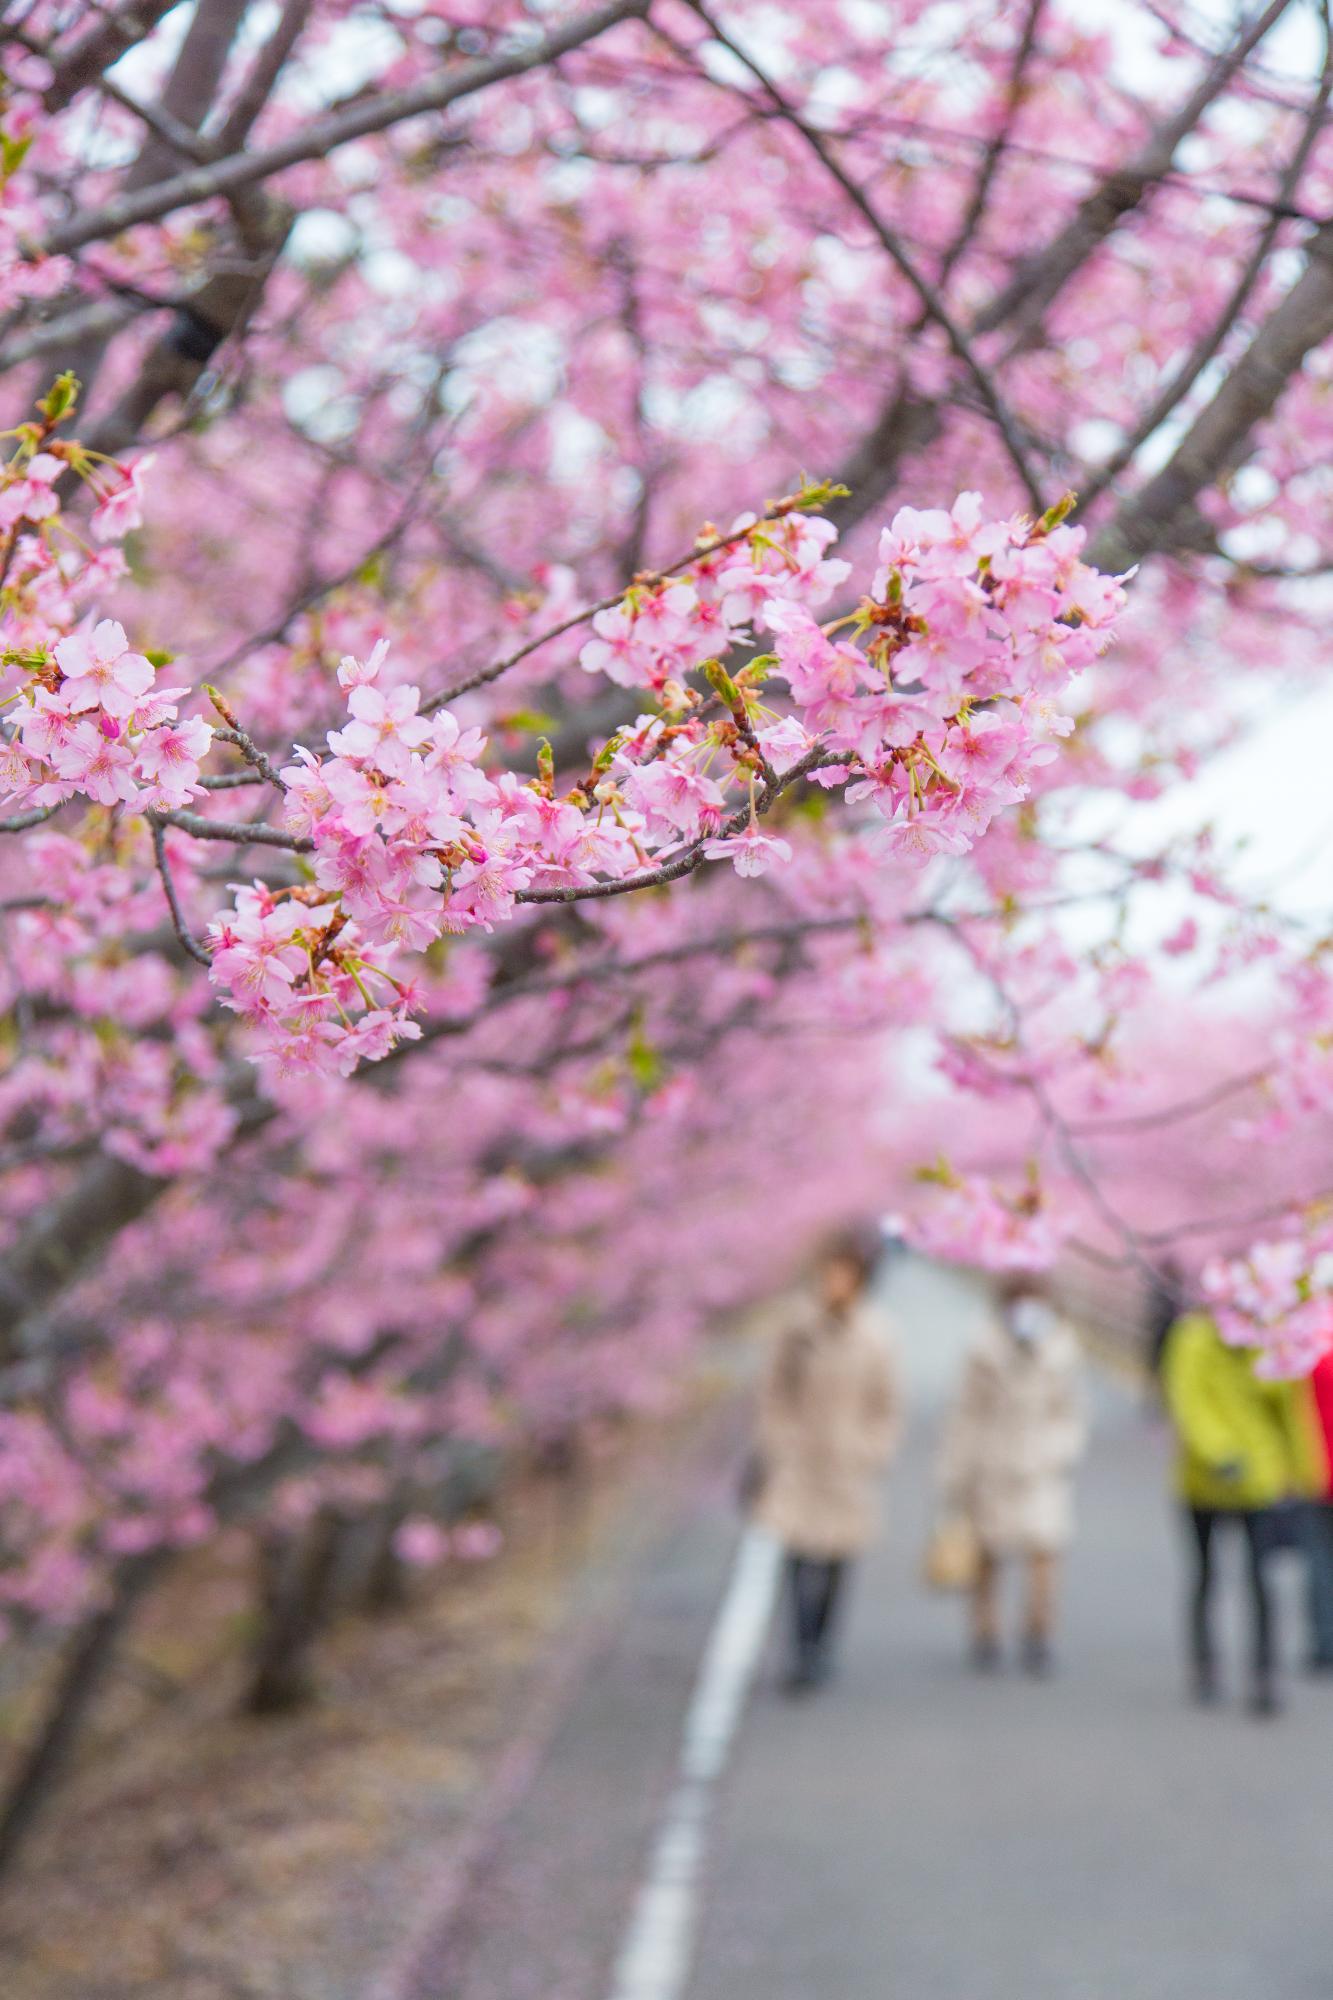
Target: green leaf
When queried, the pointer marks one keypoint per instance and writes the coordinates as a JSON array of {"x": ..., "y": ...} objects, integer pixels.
[
  {"x": 721, "y": 682},
  {"x": 60, "y": 398},
  {"x": 606, "y": 755},
  {"x": 528, "y": 722},
  {"x": 13, "y": 151},
  {"x": 1054, "y": 515},
  {"x": 645, "y": 1064},
  {"x": 819, "y": 492}
]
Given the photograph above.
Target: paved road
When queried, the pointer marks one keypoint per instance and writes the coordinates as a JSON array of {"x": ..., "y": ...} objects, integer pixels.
[
  {"x": 915, "y": 1834},
  {"x": 923, "y": 1835}
]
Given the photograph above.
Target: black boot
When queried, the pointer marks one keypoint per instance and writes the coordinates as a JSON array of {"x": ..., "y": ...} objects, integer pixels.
[
  {"x": 1264, "y": 1698},
  {"x": 803, "y": 1674},
  {"x": 820, "y": 1665},
  {"x": 1037, "y": 1659},
  {"x": 1204, "y": 1685}
]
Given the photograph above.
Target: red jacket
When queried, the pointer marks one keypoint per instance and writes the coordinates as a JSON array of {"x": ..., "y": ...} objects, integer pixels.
[{"x": 1321, "y": 1383}]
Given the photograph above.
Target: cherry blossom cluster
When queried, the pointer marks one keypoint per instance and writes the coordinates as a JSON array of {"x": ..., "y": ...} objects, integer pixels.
[
  {"x": 662, "y": 631},
  {"x": 92, "y": 721},
  {"x": 24, "y": 274},
  {"x": 83, "y": 713},
  {"x": 1278, "y": 1298},
  {"x": 968, "y": 1220},
  {"x": 126, "y": 1059},
  {"x": 558, "y": 1303},
  {"x": 934, "y": 700},
  {"x": 968, "y": 634}
]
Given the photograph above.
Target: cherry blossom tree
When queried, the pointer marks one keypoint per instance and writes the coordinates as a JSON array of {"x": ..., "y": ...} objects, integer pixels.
[{"x": 589, "y": 593}]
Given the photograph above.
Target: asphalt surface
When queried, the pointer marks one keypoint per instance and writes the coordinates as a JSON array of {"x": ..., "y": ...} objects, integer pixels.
[{"x": 916, "y": 1833}]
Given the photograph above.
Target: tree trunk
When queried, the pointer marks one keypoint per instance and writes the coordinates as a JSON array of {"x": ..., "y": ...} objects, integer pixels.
[
  {"x": 86, "y": 1659},
  {"x": 295, "y": 1587},
  {"x": 385, "y": 1583}
]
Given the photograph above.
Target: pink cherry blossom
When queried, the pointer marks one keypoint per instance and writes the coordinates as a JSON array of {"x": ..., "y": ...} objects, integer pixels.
[
  {"x": 385, "y": 727},
  {"x": 120, "y": 510},
  {"x": 750, "y": 852},
  {"x": 101, "y": 671}
]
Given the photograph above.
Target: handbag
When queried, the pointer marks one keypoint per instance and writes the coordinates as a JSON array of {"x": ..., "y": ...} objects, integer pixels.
[{"x": 953, "y": 1556}]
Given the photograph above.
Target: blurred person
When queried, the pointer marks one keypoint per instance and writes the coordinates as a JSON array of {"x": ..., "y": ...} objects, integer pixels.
[
  {"x": 829, "y": 1417},
  {"x": 1245, "y": 1446},
  {"x": 1316, "y": 1527},
  {"x": 1012, "y": 1440}
]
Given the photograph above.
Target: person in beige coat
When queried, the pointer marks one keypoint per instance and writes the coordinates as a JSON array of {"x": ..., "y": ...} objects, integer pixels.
[
  {"x": 829, "y": 1416},
  {"x": 1011, "y": 1443}
]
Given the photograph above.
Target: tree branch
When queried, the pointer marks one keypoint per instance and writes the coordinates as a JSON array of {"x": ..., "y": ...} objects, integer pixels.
[
  {"x": 1149, "y": 521},
  {"x": 996, "y": 146},
  {"x": 324, "y": 135},
  {"x": 932, "y": 302},
  {"x": 258, "y": 86},
  {"x": 1188, "y": 372},
  {"x": 1033, "y": 287},
  {"x": 104, "y": 43}
]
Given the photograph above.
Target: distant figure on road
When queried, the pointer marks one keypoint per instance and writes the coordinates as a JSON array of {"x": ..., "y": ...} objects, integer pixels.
[
  {"x": 829, "y": 1417},
  {"x": 1245, "y": 1445},
  {"x": 1011, "y": 1443}
]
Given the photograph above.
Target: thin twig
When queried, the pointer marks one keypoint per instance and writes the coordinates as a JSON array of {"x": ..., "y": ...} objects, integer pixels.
[
  {"x": 1188, "y": 1107},
  {"x": 311, "y": 596},
  {"x": 188, "y": 941},
  {"x": 1039, "y": 279},
  {"x": 1275, "y": 1211},
  {"x": 997, "y": 145},
  {"x": 244, "y": 742}
]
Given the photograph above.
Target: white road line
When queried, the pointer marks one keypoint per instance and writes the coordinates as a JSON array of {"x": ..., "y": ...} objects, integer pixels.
[{"x": 658, "y": 1946}]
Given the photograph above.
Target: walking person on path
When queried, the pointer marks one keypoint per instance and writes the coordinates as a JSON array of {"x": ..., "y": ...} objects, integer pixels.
[
  {"x": 829, "y": 1418},
  {"x": 1011, "y": 1443},
  {"x": 1245, "y": 1446}
]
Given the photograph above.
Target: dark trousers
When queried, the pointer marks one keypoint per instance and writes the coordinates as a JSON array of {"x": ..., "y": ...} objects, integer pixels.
[
  {"x": 1204, "y": 1523},
  {"x": 1315, "y": 1525},
  {"x": 813, "y": 1589}
]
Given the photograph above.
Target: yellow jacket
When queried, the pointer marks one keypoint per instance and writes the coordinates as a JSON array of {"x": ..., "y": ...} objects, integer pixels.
[{"x": 1244, "y": 1443}]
